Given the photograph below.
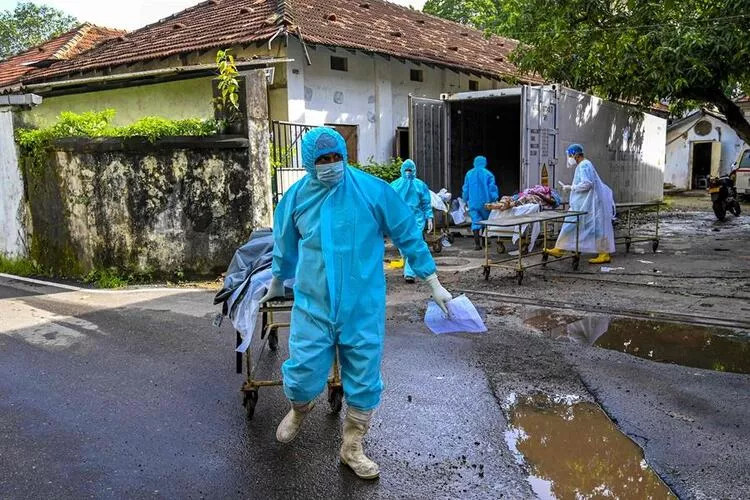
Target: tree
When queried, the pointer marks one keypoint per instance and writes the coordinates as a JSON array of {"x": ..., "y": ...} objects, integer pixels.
[
  {"x": 28, "y": 25},
  {"x": 687, "y": 52}
]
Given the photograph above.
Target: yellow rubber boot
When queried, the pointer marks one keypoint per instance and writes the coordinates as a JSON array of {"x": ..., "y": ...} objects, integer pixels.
[
  {"x": 555, "y": 252},
  {"x": 396, "y": 264},
  {"x": 602, "y": 258}
]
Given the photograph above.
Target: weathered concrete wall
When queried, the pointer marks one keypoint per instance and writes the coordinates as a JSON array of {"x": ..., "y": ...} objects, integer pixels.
[
  {"x": 183, "y": 204},
  {"x": 12, "y": 243},
  {"x": 373, "y": 94}
]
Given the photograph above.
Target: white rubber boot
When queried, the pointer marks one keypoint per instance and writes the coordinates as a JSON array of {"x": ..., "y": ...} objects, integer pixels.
[
  {"x": 289, "y": 426},
  {"x": 356, "y": 425}
]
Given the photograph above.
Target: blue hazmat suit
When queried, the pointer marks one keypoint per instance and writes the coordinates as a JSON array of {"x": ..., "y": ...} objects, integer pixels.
[
  {"x": 416, "y": 195},
  {"x": 588, "y": 193},
  {"x": 479, "y": 189},
  {"x": 331, "y": 241}
]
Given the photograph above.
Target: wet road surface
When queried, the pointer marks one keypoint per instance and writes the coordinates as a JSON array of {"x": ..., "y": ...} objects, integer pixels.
[{"x": 140, "y": 399}]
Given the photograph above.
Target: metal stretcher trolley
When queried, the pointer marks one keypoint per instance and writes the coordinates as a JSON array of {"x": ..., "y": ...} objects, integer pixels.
[
  {"x": 517, "y": 263},
  {"x": 269, "y": 334},
  {"x": 629, "y": 238}
]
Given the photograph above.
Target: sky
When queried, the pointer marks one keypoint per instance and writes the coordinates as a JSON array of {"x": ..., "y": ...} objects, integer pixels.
[{"x": 131, "y": 14}]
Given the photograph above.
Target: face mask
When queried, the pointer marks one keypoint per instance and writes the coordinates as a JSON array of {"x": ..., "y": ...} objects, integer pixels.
[
  {"x": 330, "y": 174},
  {"x": 410, "y": 175},
  {"x": 571, "y": 162}
]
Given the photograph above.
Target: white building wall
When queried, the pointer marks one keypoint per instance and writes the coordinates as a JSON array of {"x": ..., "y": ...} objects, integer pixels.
[
  {"x": 373, "y": 94},
  {"x": 11, "y": 191},
  {"x": 679, "y": 150}
]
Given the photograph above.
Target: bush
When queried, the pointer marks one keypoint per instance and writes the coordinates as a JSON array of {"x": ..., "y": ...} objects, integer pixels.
[
  {"x": 98, "y": 124},
  {"x": 388, "y": 171}
]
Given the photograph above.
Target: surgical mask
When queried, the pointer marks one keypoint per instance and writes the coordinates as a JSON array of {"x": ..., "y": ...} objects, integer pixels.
[
  {"x": 410, "y": 175},
  {"x": 330, "y": 174},
  {"x": 572, "y": 162}
]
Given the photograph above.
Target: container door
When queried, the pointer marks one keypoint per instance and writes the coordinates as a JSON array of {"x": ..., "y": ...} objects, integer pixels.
[
  {"x": 428, "y": 143},
  {"x": 539, "y": 135}
]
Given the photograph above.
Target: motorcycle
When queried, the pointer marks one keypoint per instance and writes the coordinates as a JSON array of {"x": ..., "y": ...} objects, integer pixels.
[{"x": 724, "y": 196}]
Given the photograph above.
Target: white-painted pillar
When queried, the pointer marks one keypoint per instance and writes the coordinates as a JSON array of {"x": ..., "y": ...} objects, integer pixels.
[{"x": 12, "y": 232}]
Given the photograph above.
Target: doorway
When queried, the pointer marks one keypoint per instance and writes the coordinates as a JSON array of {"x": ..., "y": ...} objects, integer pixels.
[
  {"x": 350, "y": 135},
  {"x": 706, "y": 157}
]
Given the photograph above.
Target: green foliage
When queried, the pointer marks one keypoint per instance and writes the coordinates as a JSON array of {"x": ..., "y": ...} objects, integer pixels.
[
  {"x": 29, "y": 25},
  {"x": 35, "y": 142},
  {"x": 490, "y": 15},
  {"x": 154, "y": 127},
  {"x": 19, "y": 266},
  {"x": 106, "y": 278},
  {"x": 229, "y": 95},
  {"x": 686, "y": 52},
  {"x": 388, "y": 171}
]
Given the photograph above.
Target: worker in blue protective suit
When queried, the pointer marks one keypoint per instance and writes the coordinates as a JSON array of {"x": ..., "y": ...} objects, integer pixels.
[
  {"x": 479, "y": 189},
  {"x": 589, "y": 194},
  {"x": 328, "y": 234},
  {"x": 416, "y": 195}
]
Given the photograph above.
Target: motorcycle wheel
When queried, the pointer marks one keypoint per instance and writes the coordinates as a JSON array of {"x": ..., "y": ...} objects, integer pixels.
[
  {"x": 720, "y": 210},
  {"x": 736, "y": 210}
]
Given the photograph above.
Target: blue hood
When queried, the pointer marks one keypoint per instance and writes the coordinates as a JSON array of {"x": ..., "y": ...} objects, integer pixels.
[{"x": 321, "y": 141}]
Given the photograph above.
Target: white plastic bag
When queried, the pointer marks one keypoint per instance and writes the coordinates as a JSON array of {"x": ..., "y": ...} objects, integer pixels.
[
  {"x": 437, "y": 202},
  {"x": 463, "y": 317},
  {"x": 245, "y": 316}
]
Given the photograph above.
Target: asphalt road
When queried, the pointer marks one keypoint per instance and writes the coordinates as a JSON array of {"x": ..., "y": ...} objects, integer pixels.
[{"x": 134, "y": 395}]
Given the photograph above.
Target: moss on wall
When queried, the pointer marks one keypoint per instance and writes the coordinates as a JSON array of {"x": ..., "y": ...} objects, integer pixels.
[{"x": 156, "y": 209}]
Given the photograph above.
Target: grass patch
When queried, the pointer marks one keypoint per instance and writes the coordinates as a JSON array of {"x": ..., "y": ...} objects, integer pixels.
[
  {"x": 106, "y": 278},
  {"x": 19, "y": 266}
]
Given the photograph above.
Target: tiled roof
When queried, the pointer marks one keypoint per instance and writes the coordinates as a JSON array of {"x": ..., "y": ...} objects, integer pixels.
[
  {"x": 368, "y": 25},
  {"x": 390, "y": 29},
  {"x": 65, "y": 46}
]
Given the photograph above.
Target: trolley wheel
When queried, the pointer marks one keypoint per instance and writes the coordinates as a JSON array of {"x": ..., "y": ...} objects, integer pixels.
[
  {"x": 500, "y": 247},
  {"x": 576, "y": 262},
  {"x": 249, "y": 402},
  {"x": 519, "y": 276},
  {"x": 273, "y": 339},
  {"x": 437, "y": 247},
  {"x": 335, "y": 397},
  {"x": 655, "y": 246},
  {"x": 545, "y": 258},
  {"x": 627, "y": 247},
  {"x": 486, "y": 273}
]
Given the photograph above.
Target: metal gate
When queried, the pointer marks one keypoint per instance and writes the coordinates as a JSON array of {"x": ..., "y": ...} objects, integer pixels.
[{"x": 286, "y": 155}]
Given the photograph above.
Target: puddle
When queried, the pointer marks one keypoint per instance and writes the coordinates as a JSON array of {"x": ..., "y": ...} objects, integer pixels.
[
  {"x": 679, "y": 343},
  {"x": 574, "y": 451}
]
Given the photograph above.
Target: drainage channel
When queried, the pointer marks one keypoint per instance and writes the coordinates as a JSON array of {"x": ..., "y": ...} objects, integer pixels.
[
  {"x": 574, "y": 451},
  {"x": 631, "y": 313}
]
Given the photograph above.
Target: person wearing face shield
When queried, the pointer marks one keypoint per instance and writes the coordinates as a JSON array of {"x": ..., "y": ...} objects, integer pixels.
[
  {"x": 329, "y": 229},
  {"x": 416, "y": 195},
  {"x": 589, "y": 194},
  {"x": 479, "y": 189}
]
